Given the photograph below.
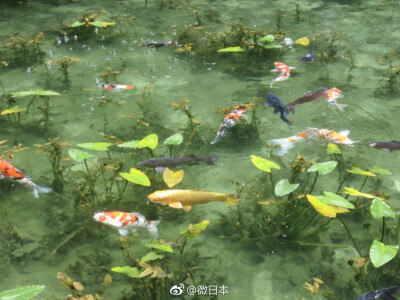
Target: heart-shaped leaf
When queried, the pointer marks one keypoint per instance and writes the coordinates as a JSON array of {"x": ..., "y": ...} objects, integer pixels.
[
  {"x": 284, "y": 187},
  {"x": 137, "y": 177},
  {"x": 12, "y": 110},
  {"x": 333, "y": 149},
  {"x": 267, "y": 38},
  {"x": 172, "y": 178},
  {"x": 22, "y": 293},
  {"x": 336, "y": 200},
  {"x": 354, "y": 192},
  {"x": 304, "y": 41},
  {"x": 323, "y": 168},
  {"x": 163, "y": 247},
  {"x": 264, "y": 164},
  {"x": 132, "y": 144},
  {"x": 129, "y": 271},
  {"x": 325, "y": 209},
  {"x": 150, "y": 141},
  {"x": 151, "y": 256},
  {"x": 378, "y": 170},
  {"x": 195, "y": 229},
  {"x": 96, "y": 146},
  {"x": 380, "y": 254},
  {"x": 230, "y": 49},
  {"x": 355, "y": 170},
  {"x": 174, "y": 140},
  {"x": 79, "y": 155},
  {"x": 380, "y": 209}
]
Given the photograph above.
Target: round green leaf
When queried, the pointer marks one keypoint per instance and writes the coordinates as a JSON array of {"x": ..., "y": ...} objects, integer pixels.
[
  {"x": 283, "y": 187},
  {"x": 162, "y": 247},
  {"x": 95, "y": 146},
  {"x": 268, "y": 38},
  {"x": 378, "y": 170},
  {"x": 230, "y": 49},
  {"x": 380, "y": 209},
  {"x": 151, "y": 256},
  {"x": 132, "y": 144},
  {"x": 333, "y": 148},
  {"x": 336, "y": 200},
  {"x": 323, "y": 168},
  {"x": 150, "y": 141},
  {"x": 355, "y": 170},
  {"x": 174, "y": 140},
  {"x": 22, "y": 293},
  {"x": 129, "y": 271},
  {"x": 264, "y": 164},
  {"x": 79, "y": 155},
  {"x": 380, "y": 254},
  {"x": 137, "y": 177}
]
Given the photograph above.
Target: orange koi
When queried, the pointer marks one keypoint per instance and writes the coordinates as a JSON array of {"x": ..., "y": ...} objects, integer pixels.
[
  {"x": 284, "y": 72},
  {"x": 230, "y": 120},
  {"x": 113, "y": 87},
  {"x": 331, "y": 96}
]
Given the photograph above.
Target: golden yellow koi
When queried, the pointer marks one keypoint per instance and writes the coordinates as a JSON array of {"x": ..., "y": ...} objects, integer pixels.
[{"x": 186, "y": 198}]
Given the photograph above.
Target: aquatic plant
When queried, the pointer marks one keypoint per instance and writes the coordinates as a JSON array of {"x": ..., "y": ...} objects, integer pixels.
[
  {"x": 172, "y": 178},
  {"x": 63, "y": 66},
  {"x": 173, "y": 140},
  {"x": 22, "y": 293},
  {"x": 389, "y": 77}
]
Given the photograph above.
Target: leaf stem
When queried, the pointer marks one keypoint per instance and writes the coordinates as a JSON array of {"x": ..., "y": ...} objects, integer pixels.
[
  {"x": 315, "y": 180},
  {"x": 349, "y": 233}
]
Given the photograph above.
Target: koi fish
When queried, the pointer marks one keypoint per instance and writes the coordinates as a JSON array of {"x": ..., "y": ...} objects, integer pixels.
[
  {"x": 113, "y": 87},
  {"x": 331, "y": 96},
  {"x": 310, "y": 97},
  {"x": 279, "y": 107},
  {"x": 385, "y": 294},
  {"x": 325, "y": 135},
  {"x": 284, "y": 72},
  {"x": 7, "y": 170},
  {"x": 230, "y": 120},
  {"x": 186, "y": 198},
  {"x": 162, "y": 44},
  {"x": 386, "y": 146},
  {"x": 124, "y": 222},
  {"x": 163, "y": 162},
  {"x": 310, "y": 56}
]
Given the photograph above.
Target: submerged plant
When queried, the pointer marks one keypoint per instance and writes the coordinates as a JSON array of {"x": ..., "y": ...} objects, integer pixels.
[{"x": 22, "y": 293}]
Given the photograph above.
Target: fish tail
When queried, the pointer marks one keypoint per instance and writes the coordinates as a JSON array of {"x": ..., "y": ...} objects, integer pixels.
[
  {"x": 40, "y": 189},
  {"x": 285, "y": 144},
  {"x": 152, "y": 228},
  {"x": 211, "y": 160},
  {"x": 217, "y": 138},
  {"x": 231, "y": 199},
  {"x": 129, "y": 87},
  {"x": 340, "y": 107}
]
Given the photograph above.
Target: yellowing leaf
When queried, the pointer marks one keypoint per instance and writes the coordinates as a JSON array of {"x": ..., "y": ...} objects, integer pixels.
[
  {"x": 304, "y": 41},
  {"x": 12, "y": 110},
  {"x": 172, "y": 178},
  {"x": 137, "y": 177},
  {"x": 354, "y": 192},
  {"x": 263, "y": 164},
  {"x": 149, "y": 141},
  {"x": 325, "y": 209},
  {"x": 355, "y": 170}
]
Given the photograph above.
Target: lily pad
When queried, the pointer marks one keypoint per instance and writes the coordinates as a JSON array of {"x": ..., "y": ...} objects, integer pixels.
[
  {"x": 79, "y": 155},
  {"x": 172, "y": 178},
  {"x": 132, "y": 144},
  {"x": 355, "y": 170},
  {"x": 195, "y": 229},
  {"x": 129, "y": 271},
  {"x": 151, "y": 256},
  {"x": 323, "y": 168},
  {"x": 378, "y": 170},
  {"x": 22, "y": 293},
  {"x": 380, "y": 254},
  {"x": 137, "y": 177},
  {"x": 230, "y": 49},
  {"x": 380, "y": 209},
  {"x": 159, "y": 246},
  {"x": 333, "y": 149},
  {"x": 150, "y": 141},
  {"x": 304, "y": 41},
  {"x": 174, "y": 140},
  {"x": 325, "y": 209},
  {"x": 264, "y": 164},
  {"x": 101, "y": 23},
  {"x": 12, "y": 110},
  {"x": 336, "y": 200},
  {"x": 284, "y": 187},
  {"x": 354, "y": 192},
  {"x": 38, "y": 92},
  {"x": 267, "y": 38},
  {"x": 96, "y": 146}
]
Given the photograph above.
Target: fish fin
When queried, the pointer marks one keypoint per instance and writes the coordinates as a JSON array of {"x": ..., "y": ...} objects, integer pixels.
[
  {"x": 276, "y": 110},
  {"x": 340, "y": 107},
  {"x": 175, "y": 205},
  {"x": 123, "y": 231},
  {"x": 231, "y": 200},
  {"x": 160, "y": 170},
  {"x": 266, "y": 103},
  {"x": 285, "y": 144},
  {"x": 187, "y": 207},
  {"x": 217, "y": 138},
  {"x": 344, "y": 132},
  {"x": 387, "y": 150},
  {"x": 152, "y": 228},
  {"x": 40, "y": 189},
  {"x": 211, "y": 160}
]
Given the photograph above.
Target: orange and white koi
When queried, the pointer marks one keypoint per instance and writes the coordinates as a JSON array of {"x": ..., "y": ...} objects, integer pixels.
[
  {"x": 230, "y": 120},
  {"x": 308, "y": 134},
  {"x": 124, "y": 222},
  {"x": 113, "y": 87},
  {"x": 284, "y": 72},
  {"x": 331, "y": 96},
  {"x": 7, "y": 170}
]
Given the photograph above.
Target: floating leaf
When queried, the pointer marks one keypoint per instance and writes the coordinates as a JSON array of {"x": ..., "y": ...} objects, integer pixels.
[
  {"x": 304, "y": 41},
  {"x": 195, "y": 229},
  {"x": 380, "y": 254},
  {"x": 380, "y": 209},
  {"x": 378, "y": 170},
  {"x": 230, "y": 49},
  {"x": 325, "y": 209},
  {"x": 38, "y": 92},
  {"x": 264, "y": 164},
  {"x": 333, "y": 149},
  {"x": 354, "y": 192},
  {"x": 96, "y": 146},
  {"x": 129, "y": 271},
  {"x": 159, "y": 246},
  {"x": 174, "y": 140},
  {"x": 12, "y": 110},
  {"x": 323, "y": 168},
  {"x": 172, "y": 178},
  {"x": 336, "y": 200},
  {"x": 355, "y": 170},
  {"x": 271, "y": 46},
  {"x": 283, "y": 187},
  {"x": 137, "y": 177},
  {"x": 150, "y": 141},
  {"x": 22, "y": 293},
  {"x": 267, "y": 38},
  {"x": 132, "y": 144},
  {"x": 151, "y": 256},
  {"x": 101, "y": 24},
  {"x": 79, "y": 155},
  {"x": 77, "y": 24}
]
